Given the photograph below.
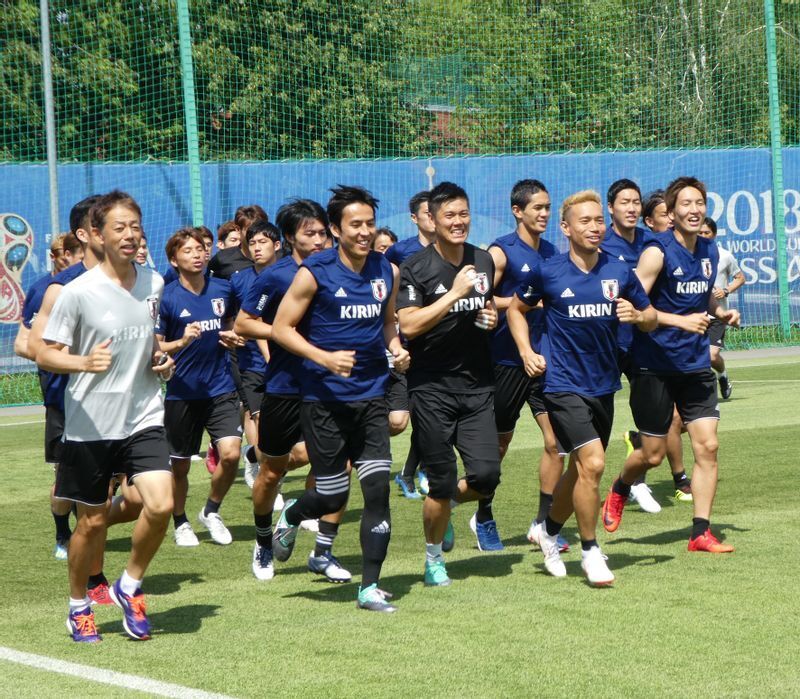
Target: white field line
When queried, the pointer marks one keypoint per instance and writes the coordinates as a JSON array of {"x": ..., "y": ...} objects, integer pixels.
[
  {"x": 27, "y": 422},
  {"x": 116, "y": 679}
]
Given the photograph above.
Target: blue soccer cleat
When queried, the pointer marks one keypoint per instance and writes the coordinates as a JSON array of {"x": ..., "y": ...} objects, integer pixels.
[
  {"x": 486, "y": 534},
  {"x": 81, "y": 626},
  {"x": 134, "y": 620},
  {"x": 407, "y": 489}
]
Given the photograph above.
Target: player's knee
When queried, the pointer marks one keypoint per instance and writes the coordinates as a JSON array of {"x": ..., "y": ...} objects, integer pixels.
[
  {"x": 654, "y": 457},
  {"x": 298, "y": 456},
  {"x": 706, "y": 447},
  {"x": 398, "y": 421},
  {"x": 592, "y": 467},
  {"x": 92, "y": 523},
  {"x": 485, "y": 478},
  {"x": 229, "y": 452}
]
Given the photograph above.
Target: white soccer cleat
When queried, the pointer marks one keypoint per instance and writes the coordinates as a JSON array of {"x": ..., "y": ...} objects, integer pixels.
[
  {"x": 641, "y": 493},
  {"x": 594, "y": 565},
  {"x": 278, "y": 506},
  {"x": 535, "y": 533},
  {"x": 185, "y": 536},
  {"x": 250, "y": 472},
  {"x": 552, "y": 558},
  {"x": 216, "y": 527},
  {"x": 263, "y": 567},
  {"x": 310, "y": 525}
]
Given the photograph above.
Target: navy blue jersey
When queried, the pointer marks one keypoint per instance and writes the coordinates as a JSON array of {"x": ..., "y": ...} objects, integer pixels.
[
  {"x": 347, "y": 313},
  {"x": 34, "y": 298},
  {"x": 580, "y": 342},
  {"x": 521, "y": 258},
  {"x": 616, "y": 246},
  {"x": 66, "y": 276},
  {"x": 403, "y": 249},
  {"x": 262, "y": 299},
  {"x": 202, "y": 368},
  {"x": 683, "y": 286},
  {"x": 249, "y": 356}
]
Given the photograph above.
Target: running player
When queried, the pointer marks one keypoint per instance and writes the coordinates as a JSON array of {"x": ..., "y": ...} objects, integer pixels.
[
  {"x": 194, "y": 321},
  {"x": 586, "y": 294},
  {"x": 113, "y": 409},
  {"x": 228, "y": 236},
  {"x": 445, "y": 309},
  {"x": 514, "y": 256},
  {"x": 384, "y": 239},
  {"x": 654, "y": 212},
  {"x": 729, "y": 278},
  {"x": 671, "y": 366},
  {"x": 343, "y": 300},
  {"x": 142, "y": 254}
]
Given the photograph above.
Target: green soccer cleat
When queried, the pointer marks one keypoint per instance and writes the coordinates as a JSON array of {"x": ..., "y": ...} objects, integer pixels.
[
  {"x": 284, "y": 535},
  {"x": 449, "y": 540},
  {"x": 374, "y": 600},
  {"x": 436, "y": 574}
]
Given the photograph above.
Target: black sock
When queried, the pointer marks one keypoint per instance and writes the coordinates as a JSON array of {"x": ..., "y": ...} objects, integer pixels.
[
  {"x": 95, "y": 580},
  {"x": 680, "y": 479},
  {"x": 211, "y": 506},
  {"x": 376, "y": 527},
  {"x": 620, "y": 487},
  {"x": 699, "y": 526},
  {"x": 484, "y": 513},
  {"x": 552, "y": 527},
  {"x": 63, "y": 531},
  {"x": 250, "y": 453},
  {"x": 412, "y": 461},
  {"x": 586, "y": 545},
  {"x": 263, "y": 530},
  {"x": 180, "y": 519},
  {"x": 325, "y": 537},
  {"x": 545, "y": 502}
]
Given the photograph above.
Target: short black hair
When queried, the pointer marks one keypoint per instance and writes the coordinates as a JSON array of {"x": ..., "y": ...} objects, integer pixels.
[
  {"x": 618, "y": 186},
  {"x": 205, "y": 232},
  {"x": 260, "y": 226},
  {"x": 443, "y": 193},
  {"x": 522, "y": 192},
  {"x": 711, "y": 223},
  {"x": 386, "y": 231},
  {"x": 79, "y": 214},
  {"x": 295, "y": 211},
  {"x": 343, "y": 196},
  {"x": 651, "y": 201},
  {"x": 418, "y": 200}
]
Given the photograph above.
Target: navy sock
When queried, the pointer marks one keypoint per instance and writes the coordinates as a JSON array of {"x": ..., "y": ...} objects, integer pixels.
[
  {"x": 180, "y": 519},
  {"x": 699, "y": 526},
  {"x": 63, "y": 531},
  {"x": 484, "y": 513},
  {"x": 263, "y": 529},
  {"x": 620, "y": 487},
  {"x": 586, "y": 545},
  {"x": 545, "y": 502},
  {"x": 211, "y": 506},
  {"x": 552, "y": 527}
]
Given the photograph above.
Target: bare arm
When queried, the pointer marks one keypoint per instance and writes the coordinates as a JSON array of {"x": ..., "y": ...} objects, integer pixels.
[
  {"x": 393, "y": 344},
  {"x": 252, "y": 327},
  {"x": 21, "y": 343},
  {"x": 533, "y": 363},
  {"x": 500, "y": 260},
  {"x": 190, "y": 334},
  {"x": 52, "y": 357},
  {"x": 35, "y": 342},
  {"x": 646, "y": 320}
]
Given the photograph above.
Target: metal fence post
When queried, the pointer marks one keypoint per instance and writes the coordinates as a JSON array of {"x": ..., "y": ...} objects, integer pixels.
[{"x": 49, "y": 116}]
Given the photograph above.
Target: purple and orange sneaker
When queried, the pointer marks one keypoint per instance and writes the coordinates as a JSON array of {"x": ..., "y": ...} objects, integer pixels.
[
  {"x": 135, "y": 620},
  {"x": 81, "y": 626}
]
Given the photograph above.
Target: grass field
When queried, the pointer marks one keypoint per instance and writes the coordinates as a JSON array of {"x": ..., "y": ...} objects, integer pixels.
[{"x": 675, "y": 623}]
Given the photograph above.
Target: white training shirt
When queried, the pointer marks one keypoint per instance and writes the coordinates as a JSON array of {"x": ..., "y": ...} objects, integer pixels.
[
  {"x": 126, "y": 398},
  {"x": 728, "y": 268}
]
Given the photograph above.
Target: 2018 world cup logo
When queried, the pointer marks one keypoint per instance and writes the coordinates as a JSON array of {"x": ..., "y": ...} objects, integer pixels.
[{"x": 16, "y": 242}]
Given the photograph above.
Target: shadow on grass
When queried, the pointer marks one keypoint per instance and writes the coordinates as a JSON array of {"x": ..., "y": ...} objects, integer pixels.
[
  {"x": 167, "y": 583},
  {"x": 673, "y": 536},
  {"x": 178, "y": 620}
]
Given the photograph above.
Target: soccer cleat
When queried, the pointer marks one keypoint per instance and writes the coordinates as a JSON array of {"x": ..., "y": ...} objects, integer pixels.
[
  {"x": 552, "y": 558},
  {"x": 709, "y": 543},
  {"x": 60, "y": 552},
  {"x": 725, "y": 387},
  {"x": 212, "y": 458},
  {"x": 594, "y": 565},
  {"x": 422, "y": 479},
  {"x": 262, "y": 563},
  {"x": 641, "y": 494},
  {"x": 486, "y": 534},
  {"x": 436, "y": 574},
  {"x": 328, "y": 565},
  {"x": 284, "y": 535},
  {"x": 216, "y": 527},
  {"x": 407, "y": 489},
  {"x": 99, "y": 594},
  {"x": 134, "y": 619},
  {"x": 374, "y": 600},
  {"x": 310, "y": 525},
  {"x": 81, "y": 626},
  {"x": 277, "y": 506},
  {"x": 612, "y": 510},
  {"x": 250, "y": 472},
  {"x": 449, "y": 540},
  {"x": 683, "y": 492},
  {"x": 535, "y": 531},
  {"x": 185, "y": 536}
]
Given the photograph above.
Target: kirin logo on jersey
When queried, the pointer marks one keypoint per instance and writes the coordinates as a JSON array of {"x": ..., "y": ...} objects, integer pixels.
[
  {"x": 705, "y": 265},
  {"x": 481, "y": 283},
  {"x": 378, "y": 289},
  {"x": 218, "y": 306},
  {"x": 610, "y": 289},
  {"x": 152, "y": 306}
]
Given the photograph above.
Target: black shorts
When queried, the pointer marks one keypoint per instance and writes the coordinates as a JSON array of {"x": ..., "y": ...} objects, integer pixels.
[
  {"x": 53, "y": 433},
  {"x": 185, "y": 421},
  {"x": 578, "y": 420},
  {"x": 716, "y": 333},
  {"x": 514, "y": 388},
  {"x": 237, "y": 375},
  {"x": 654, "y": 395},
  {"x": 253, "y": 391},
  {"x": 625, "y": 362},
  {"x": 279, "y": 426},
  {"x": 336, "y": 432},
  {"x": 441, "y": 421},
  {"x": 87, "y": 467},
  {"x": 397, "y": 392}
]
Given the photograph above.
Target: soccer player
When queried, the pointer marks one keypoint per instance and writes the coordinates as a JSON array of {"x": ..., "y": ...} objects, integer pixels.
[
  {"x": 113, "y": 409},
  {"x": 338, "y": 314},
  {"x": 384, "y": 239},
  {"x": 671, "y": 366},
  {"x": 194, "y": 327},
  {"x": 654, "y": 212},
  {"x": 142, "y": 253},
  {"x": 514, "y": 256},
  {"x": 228, "y": 236},
  {"x": 729, "y": 278},
  {"x": 586, "y": 294},
  {"x": 445, "y": 309}
]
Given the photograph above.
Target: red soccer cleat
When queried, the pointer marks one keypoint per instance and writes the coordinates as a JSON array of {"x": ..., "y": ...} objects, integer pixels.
[
  {"x": 99, "y": 594},
  {"x": 612, "y": 510},
  {"x": 212, "y": 458},
  {"x": 709, "y": 543}
]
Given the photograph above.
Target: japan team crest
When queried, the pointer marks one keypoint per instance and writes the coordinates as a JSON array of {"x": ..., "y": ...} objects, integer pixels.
[
  {"x": 610, "y": 289},
  {"x": 218, "y": 306},
  {"x": 152, "y": 306},
  {"x": 378, "y": 289},
  {"x": 481, "y": 282},
  {"x": 705, "y": 265}
]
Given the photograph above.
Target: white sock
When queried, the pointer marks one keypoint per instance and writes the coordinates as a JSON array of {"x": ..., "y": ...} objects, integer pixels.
[
  {"x": 128, "y": 584},
  {"x": 433, "y": 552},
  {"x": 79, "y": 603}
]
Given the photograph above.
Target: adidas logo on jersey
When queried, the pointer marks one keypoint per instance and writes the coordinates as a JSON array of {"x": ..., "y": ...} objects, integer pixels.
[
  {"x": 678, "y": 272},
  {"x": 382, "y": 528},
  {"x": 622, "y": 258},
  {"x": 440, "y": 289},
  {"x": 108, "y": 316},
  {"x": 184, "y": 314},
  {"x": 567, "y": 293},
  {"x": 340, "y": 293},
  {"x": 525, "y": 268}
]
